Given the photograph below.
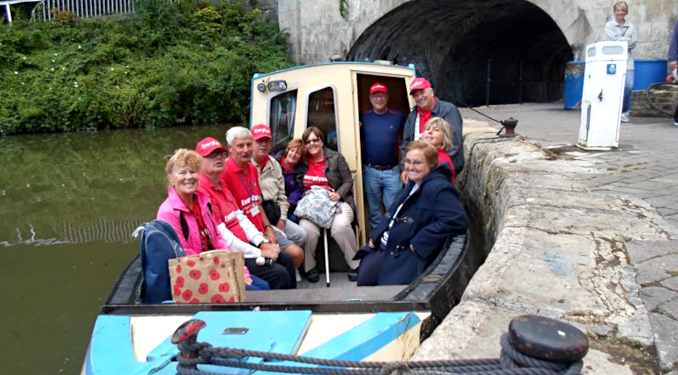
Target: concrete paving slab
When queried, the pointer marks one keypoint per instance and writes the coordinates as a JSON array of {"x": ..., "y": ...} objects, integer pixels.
[
  {"x": 640, "y": 251},
  {"x": 666, "y": 340},
  {"x": 657, "y": 269},
  {"x": 671, "y": 284},
  {"x": 654, "y": 296}
]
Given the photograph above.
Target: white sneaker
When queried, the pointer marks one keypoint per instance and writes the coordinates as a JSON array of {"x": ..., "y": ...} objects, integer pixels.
[
  {"x": 298, "y": 275},
  {"x": 624, "y": 117}
]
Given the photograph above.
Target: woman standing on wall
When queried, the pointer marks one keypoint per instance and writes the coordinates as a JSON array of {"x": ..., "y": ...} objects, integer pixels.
[{"x": 620, "y": 30}]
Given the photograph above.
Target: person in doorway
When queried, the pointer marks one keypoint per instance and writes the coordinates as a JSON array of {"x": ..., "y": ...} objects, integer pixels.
[
  {"x": 272, "y": 184},
  {"x": 621, "y": 30},
  {"x": 236, "y": 229},
  {"x": 421, "y": 219},
  {"x": 428, "y": 106},
  {"x": 673, "y": 61},
  {"x": 188, "y": 211},
  {"x": 242, "y": 179},
  {"x": 381, "y": 128},
  {"x": 329, "y": 170},
  {"x": 439, "y": 134}
]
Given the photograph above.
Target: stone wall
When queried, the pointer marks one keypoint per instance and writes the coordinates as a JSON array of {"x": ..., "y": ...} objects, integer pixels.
[
  {"x": 665, "y": 97},
  {"x": 558, "y": 250},
  {"x": 318, "y": 31}
]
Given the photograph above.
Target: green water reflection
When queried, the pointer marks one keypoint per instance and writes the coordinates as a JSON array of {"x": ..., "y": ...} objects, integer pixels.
[{"x": 68, "y": 203}]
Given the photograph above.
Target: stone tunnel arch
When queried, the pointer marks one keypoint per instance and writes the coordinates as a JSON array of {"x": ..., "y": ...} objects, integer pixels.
[{"x": 459, "y": 44}]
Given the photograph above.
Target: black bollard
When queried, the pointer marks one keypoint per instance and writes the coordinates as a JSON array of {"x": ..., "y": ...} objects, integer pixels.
[{"x": 547, "y": 339}]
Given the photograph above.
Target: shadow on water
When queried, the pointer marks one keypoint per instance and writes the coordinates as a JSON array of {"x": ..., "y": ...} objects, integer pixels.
[{"x": 69, "y": 203}]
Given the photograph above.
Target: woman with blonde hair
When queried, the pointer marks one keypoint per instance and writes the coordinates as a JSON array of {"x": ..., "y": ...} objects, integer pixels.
[
  {"x": 439, "y": 134},
  {"x": 188, "y": 211}
]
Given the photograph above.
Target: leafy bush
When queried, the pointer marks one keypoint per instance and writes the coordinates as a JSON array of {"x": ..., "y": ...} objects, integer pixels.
[{"x": 187, "y": 62}]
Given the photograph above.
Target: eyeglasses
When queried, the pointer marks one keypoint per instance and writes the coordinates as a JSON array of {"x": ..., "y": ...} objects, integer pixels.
[
  {"x": 216, "y": 154},
  {"x": 416, "y": 163},
  {"x": 314, "y": 140}
]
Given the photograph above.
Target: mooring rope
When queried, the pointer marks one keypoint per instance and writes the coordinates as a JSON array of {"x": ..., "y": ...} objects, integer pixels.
[{"x": 511, "y": 362}]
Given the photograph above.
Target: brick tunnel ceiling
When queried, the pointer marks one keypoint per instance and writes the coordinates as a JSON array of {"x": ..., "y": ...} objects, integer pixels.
[{"x": 451, "y": 41}]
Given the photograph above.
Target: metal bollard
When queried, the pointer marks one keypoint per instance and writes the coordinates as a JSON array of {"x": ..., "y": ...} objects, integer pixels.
[
  {"x": 186, "y": 337},
  {"x": 510, "y": 126},
  {"x": 540, "y": 342}
]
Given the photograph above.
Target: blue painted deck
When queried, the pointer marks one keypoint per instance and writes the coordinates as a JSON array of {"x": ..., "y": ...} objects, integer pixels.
[{"x": 111, "y": 351}]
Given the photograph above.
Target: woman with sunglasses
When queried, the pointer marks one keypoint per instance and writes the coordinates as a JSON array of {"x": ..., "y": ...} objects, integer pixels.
[
  {"x": 421, "y": 219},
  {"x": 329, "y": 170}
]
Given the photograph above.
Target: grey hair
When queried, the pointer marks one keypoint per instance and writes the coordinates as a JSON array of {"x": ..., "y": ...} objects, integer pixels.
[
  {"x": 237, "y": 132},
  {"x": 446, "y": 128}
]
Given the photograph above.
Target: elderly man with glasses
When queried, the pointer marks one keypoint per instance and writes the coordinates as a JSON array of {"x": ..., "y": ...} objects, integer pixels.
[{"x": 427, "y": 107}]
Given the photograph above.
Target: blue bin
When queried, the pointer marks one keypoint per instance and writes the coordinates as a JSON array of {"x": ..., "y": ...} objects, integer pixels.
[
  {"x": 649, "y": 72},
  {"x": 574, "y": 84}
]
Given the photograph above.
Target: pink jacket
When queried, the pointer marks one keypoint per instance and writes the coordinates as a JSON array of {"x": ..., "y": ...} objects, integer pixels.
[{"x": 169, "y": 211}]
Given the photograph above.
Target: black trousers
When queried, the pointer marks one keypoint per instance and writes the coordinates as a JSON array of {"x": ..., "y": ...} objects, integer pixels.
[
  {"x": 675, "y": 115},
  {"x": 370, "y": 266},
  {"x": 279, "y": 275}
]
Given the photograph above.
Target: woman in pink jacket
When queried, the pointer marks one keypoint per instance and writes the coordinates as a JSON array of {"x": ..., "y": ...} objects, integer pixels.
[{"x": 189, "y": 211}]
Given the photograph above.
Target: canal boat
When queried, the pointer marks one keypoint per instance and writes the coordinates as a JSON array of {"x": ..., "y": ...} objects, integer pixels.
[{"x": 343, "y": 321}]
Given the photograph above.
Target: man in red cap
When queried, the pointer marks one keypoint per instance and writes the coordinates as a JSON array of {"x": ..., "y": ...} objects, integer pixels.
[
  {"x": 236, "y": 229},
  {"x": 381, "y": 129},
  {"x": 427, "y": 107},
  {"x": 272, "y": 184}
]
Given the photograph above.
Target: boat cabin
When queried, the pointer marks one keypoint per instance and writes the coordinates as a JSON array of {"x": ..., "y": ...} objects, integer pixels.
[{"x": 331, "y": 97}]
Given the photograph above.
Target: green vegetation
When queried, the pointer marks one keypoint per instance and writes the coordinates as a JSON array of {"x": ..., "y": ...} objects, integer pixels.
[{"x": 188, "y": 62}]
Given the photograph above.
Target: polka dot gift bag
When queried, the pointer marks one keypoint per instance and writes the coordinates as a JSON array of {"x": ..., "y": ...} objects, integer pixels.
[{"x": 215, "y": 276}]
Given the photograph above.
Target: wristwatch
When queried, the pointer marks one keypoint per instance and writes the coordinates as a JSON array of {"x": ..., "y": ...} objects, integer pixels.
[{"x": 263, "y": 242}]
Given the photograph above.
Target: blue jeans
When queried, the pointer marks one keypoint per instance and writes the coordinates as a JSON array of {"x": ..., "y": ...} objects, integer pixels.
[
  {"x": 628, "y": 88},
  {"x": 381, "y": 186},
  {"x": 257, "y": 284}
]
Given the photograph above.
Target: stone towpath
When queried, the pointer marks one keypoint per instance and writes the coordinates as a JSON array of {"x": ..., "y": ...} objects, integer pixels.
[{"x": 640, "y": 179}]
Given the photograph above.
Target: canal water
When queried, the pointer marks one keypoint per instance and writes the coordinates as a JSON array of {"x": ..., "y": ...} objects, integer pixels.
[{"x": 68, "y": 204}]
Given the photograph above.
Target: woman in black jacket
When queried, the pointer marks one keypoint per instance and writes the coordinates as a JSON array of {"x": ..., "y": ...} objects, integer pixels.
[
  {"x": 328, "y": 169},
  {"x": 425, "y": 213}
]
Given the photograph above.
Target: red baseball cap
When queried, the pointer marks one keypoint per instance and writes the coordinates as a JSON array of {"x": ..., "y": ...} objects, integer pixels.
[
  {"x": 208, "y": 145},
  {"x": 261, "y": 131},
  {"x": 419, "y": 84},
  {"x": 378, "y": 87}
]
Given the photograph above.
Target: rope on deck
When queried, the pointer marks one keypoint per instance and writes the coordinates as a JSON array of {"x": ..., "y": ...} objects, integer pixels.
[{"x": 511, "y": 362}]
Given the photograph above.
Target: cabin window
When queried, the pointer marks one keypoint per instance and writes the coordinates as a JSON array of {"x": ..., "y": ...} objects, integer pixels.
[
  {"x": 322, "y": 114},
  {"x": 281, "y": 117}
]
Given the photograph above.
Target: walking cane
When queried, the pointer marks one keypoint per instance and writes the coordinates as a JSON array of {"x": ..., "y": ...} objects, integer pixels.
[{"x": 327, "y": 258}]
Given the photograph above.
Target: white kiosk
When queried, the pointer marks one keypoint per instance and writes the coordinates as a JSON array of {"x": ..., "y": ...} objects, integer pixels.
[{"x": 603, "y": 94}]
